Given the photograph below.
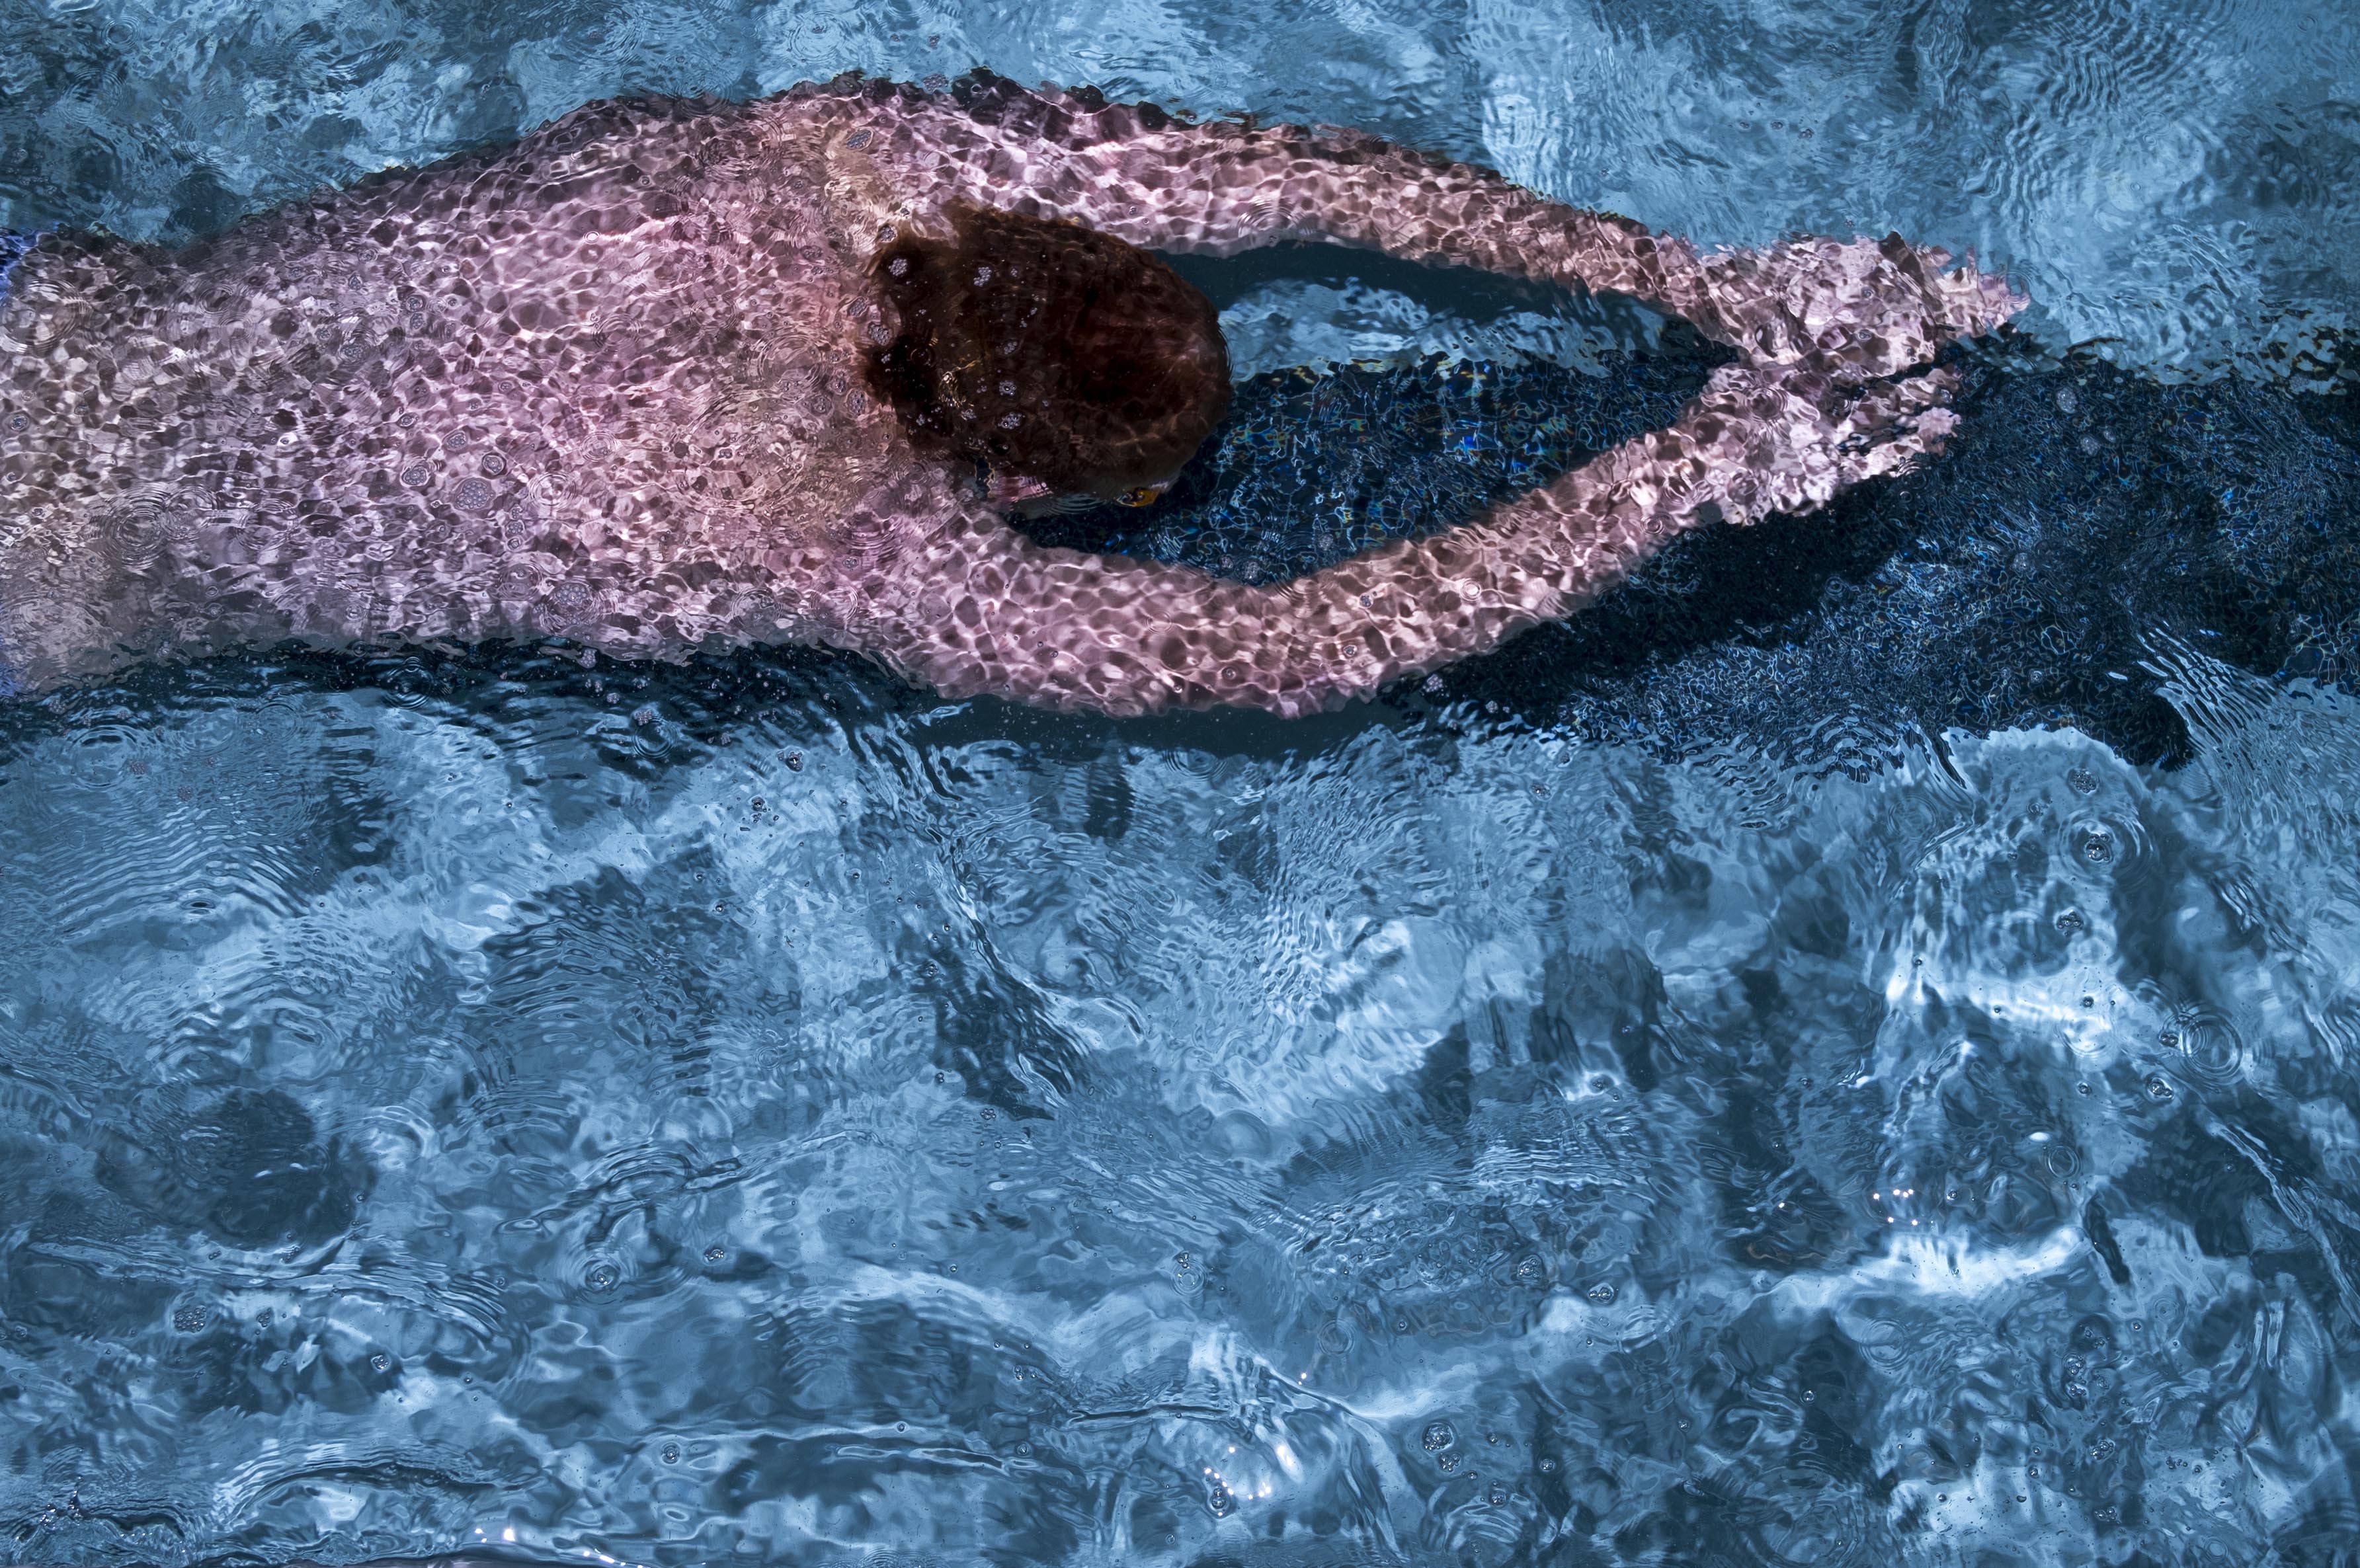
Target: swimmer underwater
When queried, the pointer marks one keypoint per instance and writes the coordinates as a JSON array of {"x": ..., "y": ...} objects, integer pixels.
[{"x": 669, "y": 375}]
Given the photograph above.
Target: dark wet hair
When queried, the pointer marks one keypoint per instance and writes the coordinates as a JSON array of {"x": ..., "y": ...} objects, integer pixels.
[{"x": 1047, "y": 350}]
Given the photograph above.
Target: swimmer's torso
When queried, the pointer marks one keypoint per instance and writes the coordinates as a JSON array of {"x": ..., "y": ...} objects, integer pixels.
[{"x": 605, "y": 383}]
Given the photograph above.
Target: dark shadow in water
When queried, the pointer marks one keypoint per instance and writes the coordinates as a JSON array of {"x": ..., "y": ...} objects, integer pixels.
[{"x": 2085, "y": 518}]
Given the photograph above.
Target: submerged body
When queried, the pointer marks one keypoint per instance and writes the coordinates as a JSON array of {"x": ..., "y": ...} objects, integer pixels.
[{"x": 613, "y": 382}]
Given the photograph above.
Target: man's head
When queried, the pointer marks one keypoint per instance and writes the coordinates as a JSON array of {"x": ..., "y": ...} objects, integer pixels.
[{"x": 1051, "y": 354}]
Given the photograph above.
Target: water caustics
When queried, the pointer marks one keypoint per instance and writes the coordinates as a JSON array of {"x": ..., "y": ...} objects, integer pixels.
[
  {"x": 434, "y": 1115},
  {"x": 540, "y": 1107},
  {"x": 2174, "y": 182}
]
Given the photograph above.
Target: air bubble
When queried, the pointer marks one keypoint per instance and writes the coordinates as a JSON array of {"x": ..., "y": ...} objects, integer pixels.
[
  {"x": 2096, "y": 845},
  {"x": 670, "y": 1454},
  {"x": 380, "y": 1363},
  {"x": 601, "y": 1277},
  {"x": 2158, "y": 1087},
  {"x": 1602, "y": 1293}
]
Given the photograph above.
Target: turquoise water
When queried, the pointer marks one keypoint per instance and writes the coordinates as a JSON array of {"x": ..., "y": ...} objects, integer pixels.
[{"x": 1857, "y": 1068}]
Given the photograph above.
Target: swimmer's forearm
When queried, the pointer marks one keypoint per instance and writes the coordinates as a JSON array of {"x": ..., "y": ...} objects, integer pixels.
[{"x": 1122, "y": 636}]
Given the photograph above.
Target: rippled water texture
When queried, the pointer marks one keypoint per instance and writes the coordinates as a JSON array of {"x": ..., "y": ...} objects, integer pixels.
[
  {"x": 755, "y": 1115},
  {"x": 1698, "y": 1087},
  {"x": 2176, "y": 179}
]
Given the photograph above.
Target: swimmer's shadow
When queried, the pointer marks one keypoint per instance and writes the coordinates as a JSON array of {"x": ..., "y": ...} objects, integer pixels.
[
  {"x": 2082, "y": 518},
  {"x": 1909, "y": 604}
]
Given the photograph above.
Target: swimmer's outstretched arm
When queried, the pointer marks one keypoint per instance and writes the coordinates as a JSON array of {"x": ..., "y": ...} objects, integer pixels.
[
  {"x": 983, "y": 609},
  {"x": 1226, "y": 186}
]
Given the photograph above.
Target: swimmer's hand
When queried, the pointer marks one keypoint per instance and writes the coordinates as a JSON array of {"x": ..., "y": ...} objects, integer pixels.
[{"x": 1872, "y": 308}]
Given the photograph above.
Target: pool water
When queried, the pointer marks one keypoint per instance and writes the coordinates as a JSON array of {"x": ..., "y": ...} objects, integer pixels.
[{"x": 1845, "y": 1055}]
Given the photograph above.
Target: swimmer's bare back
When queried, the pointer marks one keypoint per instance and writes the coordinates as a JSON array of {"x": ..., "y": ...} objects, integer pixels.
[{"x": 619, "y": 383}]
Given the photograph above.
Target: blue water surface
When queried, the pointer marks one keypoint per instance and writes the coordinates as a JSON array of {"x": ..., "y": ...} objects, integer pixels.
[{"x": 533, "y": 1106}]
